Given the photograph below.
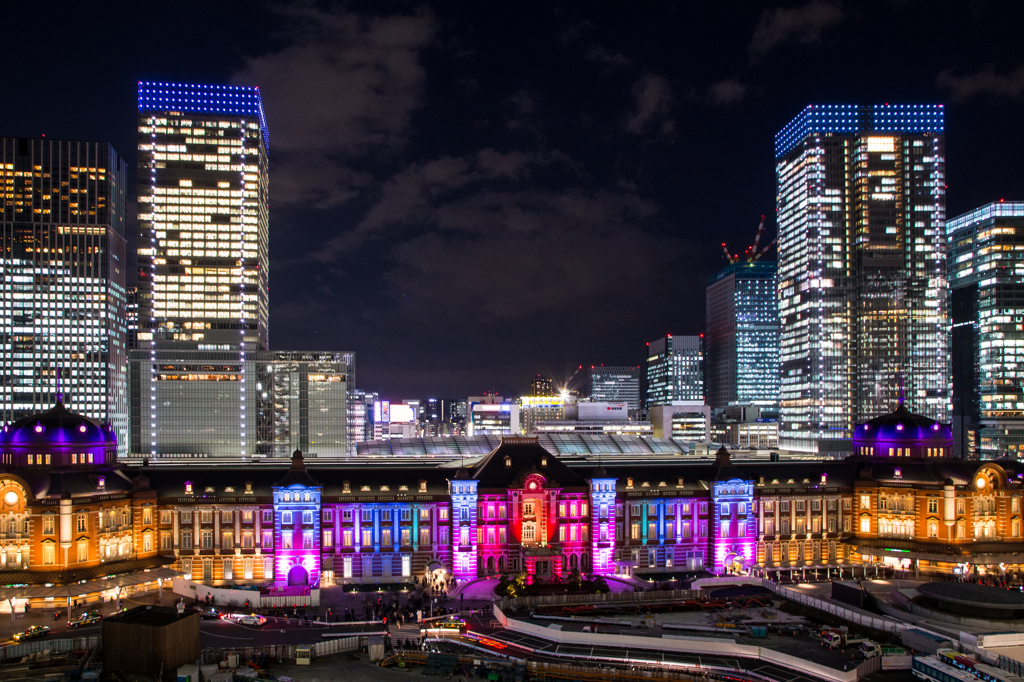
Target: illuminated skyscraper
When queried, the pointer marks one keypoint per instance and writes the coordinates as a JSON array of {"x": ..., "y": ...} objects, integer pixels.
[
  {"x": 743, "y": 335},
  {"x": 62, "y": 280},
  {"x": 863, "y": 292},
  {"x": 542, "y": 386},
  {"x": 675, "y": 369},
  {"x": 203, "y": 222},
  {"x": 615, "y": 385},
  {"x": 202, "y": 268},
  {"x": 986, "y": 269}
]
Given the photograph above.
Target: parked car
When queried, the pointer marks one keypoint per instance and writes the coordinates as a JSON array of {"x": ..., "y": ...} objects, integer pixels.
[
  {"x": 211, "y": 614},
  {"x": 87, "y": 618},
  {"x": 252, "y": 619},
  {"x": 34, "y": 631}
]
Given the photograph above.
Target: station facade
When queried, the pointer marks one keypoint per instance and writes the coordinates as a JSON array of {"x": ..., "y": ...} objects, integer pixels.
[{"x": 70, "y": 512}]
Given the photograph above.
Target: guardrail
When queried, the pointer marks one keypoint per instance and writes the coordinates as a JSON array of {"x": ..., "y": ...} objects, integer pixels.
[
  {"x": 604, "y": 598},
  {"x": 881, "y": 624},
  {"x": 70, "y": 644},
  {"x": 723, "y": 647}
]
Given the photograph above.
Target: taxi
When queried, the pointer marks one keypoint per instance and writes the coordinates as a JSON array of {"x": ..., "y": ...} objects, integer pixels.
[
  {"x": 32, "y": 632},
  {"x": 87, "y": 618}
]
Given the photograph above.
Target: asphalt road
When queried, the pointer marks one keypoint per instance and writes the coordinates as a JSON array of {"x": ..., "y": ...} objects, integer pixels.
[{"x": 213, "y": 633}]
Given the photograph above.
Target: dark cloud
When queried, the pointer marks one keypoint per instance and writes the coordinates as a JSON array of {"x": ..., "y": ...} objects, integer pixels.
[
  {"x": 410, "y": 197},
  {"x": 610, "y": 58},
  {"x": 342, "y": 86},
  {"x": 983, "y": 83},
  {"x": 653, "y": 104},
  {"x": 804, "y": 24},
  {"x": 523, "y": 104},
  {"x": 728, "y": 91}
]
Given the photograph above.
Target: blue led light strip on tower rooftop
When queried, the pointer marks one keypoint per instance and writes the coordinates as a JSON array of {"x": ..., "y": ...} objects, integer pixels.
[
  {"x": 241, "y": 100},
  {"x": 854, "y": 118}
]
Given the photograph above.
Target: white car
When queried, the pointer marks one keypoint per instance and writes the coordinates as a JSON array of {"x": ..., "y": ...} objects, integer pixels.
[{"x": 252, "y": 619}]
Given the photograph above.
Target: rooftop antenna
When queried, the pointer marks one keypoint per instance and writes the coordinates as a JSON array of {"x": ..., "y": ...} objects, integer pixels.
[{"x": 60, "y": 395}]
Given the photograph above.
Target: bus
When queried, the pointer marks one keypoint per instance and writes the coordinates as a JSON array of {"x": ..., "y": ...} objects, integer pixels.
[
  {"x": 930, "y": 669},
  {"x": 989, "y": 673}
]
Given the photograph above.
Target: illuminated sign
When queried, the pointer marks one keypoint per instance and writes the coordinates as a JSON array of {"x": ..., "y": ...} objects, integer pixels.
[{"x": 402, "y": 413}]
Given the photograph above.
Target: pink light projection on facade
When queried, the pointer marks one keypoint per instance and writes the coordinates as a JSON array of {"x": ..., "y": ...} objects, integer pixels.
[{"x": 602, "y": 536}]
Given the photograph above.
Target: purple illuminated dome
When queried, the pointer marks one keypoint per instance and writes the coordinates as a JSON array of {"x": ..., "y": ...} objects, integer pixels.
[
  {"x": 902, "y": 434},
  {"x": 57, "y": 428}
]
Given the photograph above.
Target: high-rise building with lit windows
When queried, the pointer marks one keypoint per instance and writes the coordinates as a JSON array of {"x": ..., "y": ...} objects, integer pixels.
[
  {"x": 203, "y": 220},
  {"x": 675, "y": 369},
  {"x": 742, "y": 339},
  {"x": 202, "y": 259},
  {"x": 62, "y": 280},
  {"x": 615, "y": 385},
  {"x": 863, "y": 291},
  {"x": 215, "y": 405},
  {"x": 986, "y": 271}
]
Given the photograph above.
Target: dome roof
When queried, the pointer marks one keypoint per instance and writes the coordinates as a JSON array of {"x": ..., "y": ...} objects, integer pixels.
[
  {"x": 56, "y": 427},
  {"x": 901, "y": 427}
]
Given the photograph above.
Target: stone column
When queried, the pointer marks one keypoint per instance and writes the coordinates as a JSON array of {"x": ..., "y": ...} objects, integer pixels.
[
  {"x": 174, "y": 531},
  {"x": 216, "y": 531}
]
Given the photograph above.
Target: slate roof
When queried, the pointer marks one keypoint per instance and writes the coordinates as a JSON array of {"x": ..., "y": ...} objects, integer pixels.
[
  {"x": 525, "y": 455},
  {"x": 46, "y": 482},
  {"x": 297, "y": 474}
]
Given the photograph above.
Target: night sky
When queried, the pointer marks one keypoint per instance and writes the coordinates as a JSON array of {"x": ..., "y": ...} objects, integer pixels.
[{"x": 467, "y": 194}]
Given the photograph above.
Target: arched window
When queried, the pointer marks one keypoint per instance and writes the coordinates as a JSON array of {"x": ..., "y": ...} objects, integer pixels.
[
  {"x": 865, "y": 524},
  {"x": 490, "y": 565},
  {"x": 1015, "y": 528}
]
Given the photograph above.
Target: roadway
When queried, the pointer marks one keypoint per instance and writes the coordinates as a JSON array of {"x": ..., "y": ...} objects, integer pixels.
[{"x": 213, "y": 633}]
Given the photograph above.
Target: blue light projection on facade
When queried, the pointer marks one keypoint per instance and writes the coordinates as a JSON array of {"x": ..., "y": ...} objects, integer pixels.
[
  {"x": 297, "y": 528},
  {"x": 204, "y": 99},
  {"x": 853, "y": 118}
]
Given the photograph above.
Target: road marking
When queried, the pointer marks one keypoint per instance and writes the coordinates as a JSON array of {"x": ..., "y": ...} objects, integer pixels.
[{"x": 210, "y": 634}]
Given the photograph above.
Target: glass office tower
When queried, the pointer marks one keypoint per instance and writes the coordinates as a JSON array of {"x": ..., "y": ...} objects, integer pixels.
[
  {"x": 986, "y": 270},
  {"x": 289, "y": 400},
  {"x": 675, "y": 369},
  {"x": 202, "y": 258},
  {"x": 743, "y": 335},
  {"x": 203, "y": 221},
  {"x": 615, "y": 385},
  {"x": 62, "y": 280},
  {"x": 863, "y": 292}
]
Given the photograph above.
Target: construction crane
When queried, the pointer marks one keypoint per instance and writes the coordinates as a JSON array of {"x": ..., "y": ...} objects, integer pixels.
[
  {"x": 751, "y": 255},
  {"x": 565, "y": 386}
]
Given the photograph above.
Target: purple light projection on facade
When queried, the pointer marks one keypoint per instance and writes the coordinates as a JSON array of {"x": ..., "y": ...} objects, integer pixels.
[
  {"x": 464, "y": 548},
  {"x": 297, "y": 536},
  {"x": 735, "y": 525},
  {"x": 602, "y": 536}
]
